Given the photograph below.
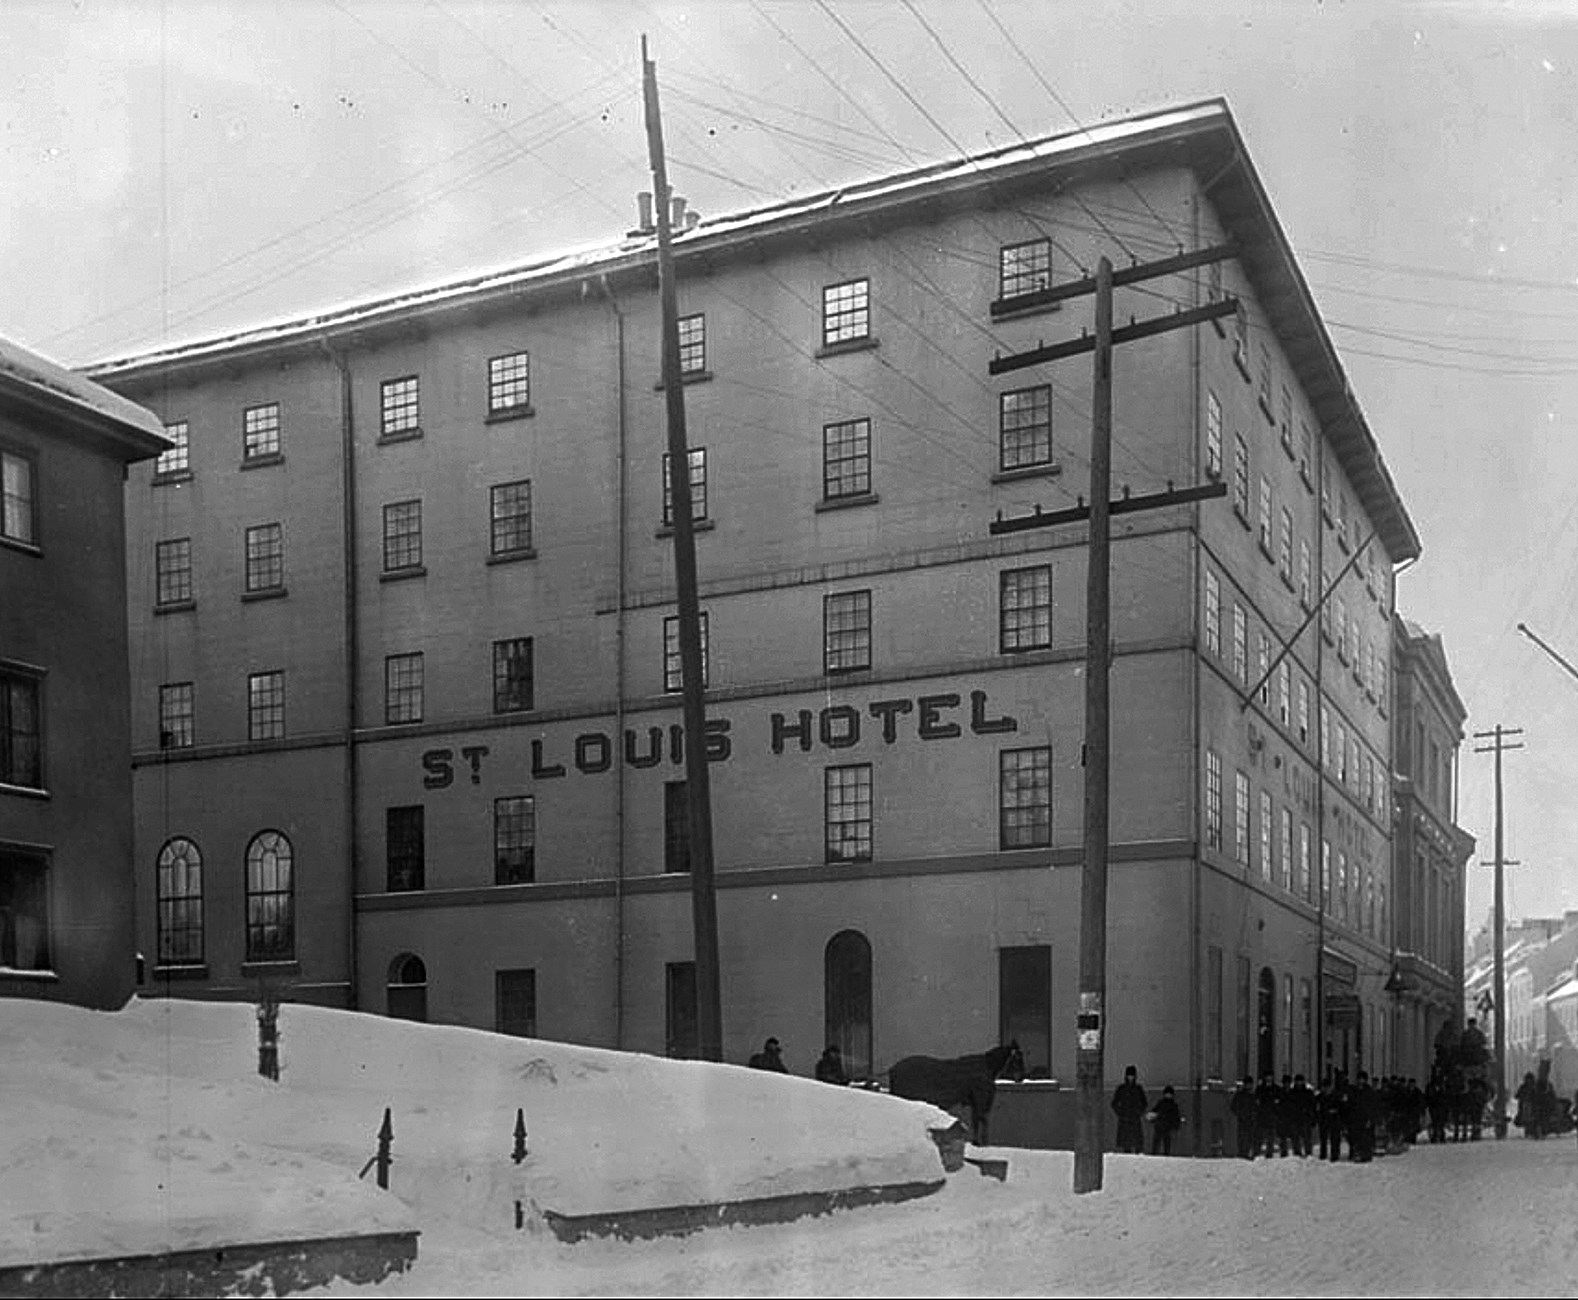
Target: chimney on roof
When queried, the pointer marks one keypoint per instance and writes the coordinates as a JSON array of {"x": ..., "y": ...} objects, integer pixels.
[
  {"x": 644, "y": 209},
  {"x": 692, "y": 219},
  {"x": 676, "y": 220}
]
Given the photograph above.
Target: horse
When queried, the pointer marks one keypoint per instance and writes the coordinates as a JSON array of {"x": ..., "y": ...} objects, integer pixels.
[{"x": 963, "y": 1080}]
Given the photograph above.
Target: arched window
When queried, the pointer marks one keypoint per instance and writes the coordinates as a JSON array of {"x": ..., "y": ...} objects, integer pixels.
[
  {"x": 847, "y": 982},
  {"x": 407, "y": 988},
  {"x": 180, "y": 904},
  {"x": 1266, "y": 1025},
  {"x": 271, "y": 899}
]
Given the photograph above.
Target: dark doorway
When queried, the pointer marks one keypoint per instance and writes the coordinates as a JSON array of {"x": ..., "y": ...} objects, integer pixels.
[
  {"x": 680, "y": 1028},
  {"x": 846, "y": 965}
]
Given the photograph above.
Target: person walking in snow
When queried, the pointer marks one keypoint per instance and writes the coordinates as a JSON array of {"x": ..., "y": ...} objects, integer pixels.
[
  {"x": 1129, "y": 1104},
  {"x": 1166, "y": 1120}
]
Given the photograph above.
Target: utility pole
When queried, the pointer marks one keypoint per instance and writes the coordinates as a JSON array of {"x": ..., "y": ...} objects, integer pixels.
[
  {"x": 698, "y": 790},
  {"x": 1089, "y": 1121},
  {"x": 1500, "y": 737}
]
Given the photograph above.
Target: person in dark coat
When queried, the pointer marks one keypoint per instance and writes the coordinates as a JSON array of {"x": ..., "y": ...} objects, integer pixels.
[
  {"x": 1246, "y": 1119},
  {"x": 830, "y": 1069},
  {"x": 1299, "y": 1103},
  {"x": 1129, "y": 1104},
  {"x": 769, "y": 1058},
  {"x": 1331, "y": 1107},
  {"x": 1166, "y": 1120},
  {"x": 1268, "y": 1108},
  {"x": 1526, "y": 1099},
  {"x": 1359, "y": 1117}
]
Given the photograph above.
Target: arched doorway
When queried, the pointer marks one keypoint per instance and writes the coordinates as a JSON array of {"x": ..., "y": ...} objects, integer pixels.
[
  {"x": 407, "y": 988},
  {"x": 847, "y": 983},
  {"x": 1266, "y": 1025}
]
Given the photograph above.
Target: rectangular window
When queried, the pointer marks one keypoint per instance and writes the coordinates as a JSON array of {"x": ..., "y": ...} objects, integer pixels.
[
  {"x": 172, "y": 567},
  {"x": 1021, "y": 269},
  {"x": 402, "y": 536},
  {"x": 404, "y": 848},
  {"x": 175, "y": 716},
  {"x": 1287, "y": 419},
  {"x": 1025, "y": 609},
  {"x": 1240, "y": 643},
  {"x": 698, "y": 487},
  {"x": 1266, "y": 510},
  {"x": 1307, "y": 454},
  {"x": 260, "y": 432},
  {"x": 1325, "y": 489},
  {"x": 1325, "y": 736},
  {"x": 515, "y": 840},
  {"x": 24, "y": 910},
  {"x": 1340, "y": 744},
  {"x": 848, "y": 813},
  {"x": 1265, "y": 377},
  {"x": 1241, "y": 816},
  {"x": 515, "y": 1002},
  {"x": 1024, "y": 422},
  {"x": 179, "y": 904},
  {"x": 1246, "y": 991},
  {"x": 1213, "y": 436},
  {"x": 1213, "y": 613},
  {"x": 1024, "y": 1001},
  {"x": 1306, "y": 876},
  {"x": 693, "y": 344},
  {"x": 509, "y": 517},
  {"x": 512, "y": 675},
  {"x": 403, "y": 688},
  {"x": 1241, "y": 477},
  {"x": 1342, "y": 886},
  {"x": 509, "y": 383},
  {"x": 1285, "y": 547},
  {"x": 21, "y": 730},
  {"x": 266, "y": 706},
  {"x": 1024, "y": 801},
  {"x": 1306, "y": 571},
  {"x": 1267, "y": 867},
  {"x": 1284, "y": 678},
  {"x": 1285, "y": 862},
  {"x": 1213, "y": 1011},
  {"x": 676, "y": 827},
  {"x": 1304, "y": 712},
  {"x": 18, "y": 498},
  {"x": 265, "y": 558},
  {"x": 175, "y": 460},
  {"x": 1263, "y": 667},
  {"x": 673, "y": 669},
  {"x": 846, "y": 632},
  {"x": 680, "y": 1023},
  {"x": 1325, "y": 875},
  {"x": 400, "y": 406},
  {"x": 846, "y": 312},
  {"x": 846, "y": 459},
  {"x": 1326, "y": 606},
  {"x": 1213, "y": 799},
  {"x": 1241, "y": 340}
]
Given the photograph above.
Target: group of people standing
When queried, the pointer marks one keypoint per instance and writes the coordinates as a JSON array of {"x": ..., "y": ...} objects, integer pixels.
[
  {"x": 1132, "y": 1108},
  {"x": 830, "y": 1069}
]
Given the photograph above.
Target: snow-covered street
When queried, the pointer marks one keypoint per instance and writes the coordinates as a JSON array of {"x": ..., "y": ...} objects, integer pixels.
[{"x": 150, "y": 1129}]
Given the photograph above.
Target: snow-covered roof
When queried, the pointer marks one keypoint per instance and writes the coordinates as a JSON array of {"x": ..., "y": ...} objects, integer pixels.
[{"x": 39, "y": 380}]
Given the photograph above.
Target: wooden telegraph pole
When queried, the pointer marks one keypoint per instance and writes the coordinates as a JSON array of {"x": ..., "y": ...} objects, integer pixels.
[
  {"x": 698, "y": 791},
  {"x": 1499, "y": 745},
  {"x": 1091, "y": 1026}
]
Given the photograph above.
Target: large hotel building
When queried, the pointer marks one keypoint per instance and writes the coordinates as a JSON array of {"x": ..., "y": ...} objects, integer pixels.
[{"x": 405, "y": 664}]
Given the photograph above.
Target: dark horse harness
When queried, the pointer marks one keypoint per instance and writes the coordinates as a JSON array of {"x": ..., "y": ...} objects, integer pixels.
[{"x": 964, "y": 1080}]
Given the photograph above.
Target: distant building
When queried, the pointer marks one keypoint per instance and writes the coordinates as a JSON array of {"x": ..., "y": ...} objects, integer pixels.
[
  {"x": 66, "y": 888},
  {"x": 1430, "y": 852},
  {"x": 404, "y": 638}
]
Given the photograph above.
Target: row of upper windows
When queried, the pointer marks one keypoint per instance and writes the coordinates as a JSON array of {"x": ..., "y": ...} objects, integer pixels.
[
  {"x": 1024, "y": 623},
  {"x": 1266, "y": 843}
]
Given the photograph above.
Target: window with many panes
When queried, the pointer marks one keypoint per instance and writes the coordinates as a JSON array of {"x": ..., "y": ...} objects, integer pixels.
[
  {"x": 1285, "y": 862},
  {"x": 1306, "y": 575},
  {"x": 403, "y": 687},
  {"x": 515, "y": 840},
  {"x": 260, "y": 432},
  {"x": 21, "y": 729},
  {"x": 848, "y": 813},
  {"x": 271, "y": 898},
  {"x": 846, "y": 459},
  {"x": 1285, "y": 547},
  {"x": 1024, "y": 268},
  {"x": 676, "y": 826},
  {"x": 1213, "y": 799},
  {"x": 1241, "y": 817},
  {"x": 265, "y": 558},
  {"x": 1266, "y": 865},
  {"x": 24, "y": 909},
  {"x": 405, "y": 848},
  {"x": 179, "y": 903},
  {"x": 175, "y": 459},
  {"x": 509, "y": 517},
  {"x": 1241, "y": 477},
  {"x": 509, "y": 384},
  {"x": 846, "y": 632},
  {"x": 1213, "y": 436},
  {"x": 1265, "y": 377},
  {"x": 515, "y": 1002},
  {"x": 1025, "y": 609},
  {"x": 1287, "y": 419},
  {"x": 1304, "y": 711},
  {"x": 1213, "y": 613},
  {"x": 1024, "y": 422},
  {"x": 18, "y": 498},
  {"x": 1306, "y": 876},
  {"x": 175, "y": 716},
  {"x": 693, "y": 344},
  {"x": 402, "y": 536},
  {"x": 400, "y": 409},
  {"x": 1240, "y": 643},
  {"x": 1263, "y": 667},
  {"x": 172, "y": 570},
  {"x": 512, "y": 675},
  {"x": 673, "y": 669},
  {"x": 846, "y": 312},
  {"x": 698, "y": 486},
  {"x": 1284, "y": 691},
  {"x": 266, "y": 705},
  {"x": 1024, "y": 798},
  {"x": 1266, "y": 509}
]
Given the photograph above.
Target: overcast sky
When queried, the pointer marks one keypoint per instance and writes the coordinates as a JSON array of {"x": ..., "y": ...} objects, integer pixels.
[{"x": 181, "y": 168}]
